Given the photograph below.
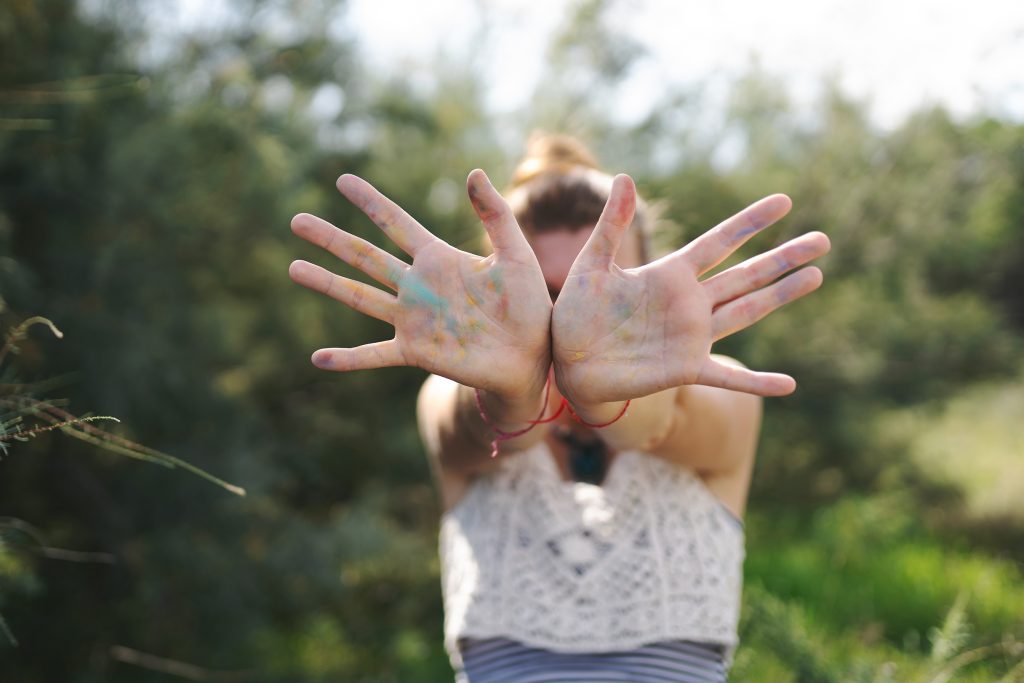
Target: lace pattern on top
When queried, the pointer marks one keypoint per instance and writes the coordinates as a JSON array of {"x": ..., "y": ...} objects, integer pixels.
[{"x": 650, "y": 555}]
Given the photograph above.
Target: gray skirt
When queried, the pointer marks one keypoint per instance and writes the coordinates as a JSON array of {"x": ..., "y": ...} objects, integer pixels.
[{"x": 499, "y": 660}]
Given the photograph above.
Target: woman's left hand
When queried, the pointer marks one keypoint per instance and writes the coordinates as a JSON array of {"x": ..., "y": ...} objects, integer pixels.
[{"x": 620, "y": 334}]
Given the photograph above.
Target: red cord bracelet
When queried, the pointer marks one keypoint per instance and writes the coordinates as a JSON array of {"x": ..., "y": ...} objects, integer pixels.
[
  {"x": 594, "y": 426},
  {"x": 501, "y": 435}
]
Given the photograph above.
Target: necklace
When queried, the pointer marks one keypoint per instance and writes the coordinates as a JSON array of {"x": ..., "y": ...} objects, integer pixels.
[{"x": 588, "y": 458}]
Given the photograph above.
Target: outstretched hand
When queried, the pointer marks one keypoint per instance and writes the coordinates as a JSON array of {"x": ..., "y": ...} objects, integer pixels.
[
  {"x": 619, "y": 334},
  {"x": 482, "y": 322}
]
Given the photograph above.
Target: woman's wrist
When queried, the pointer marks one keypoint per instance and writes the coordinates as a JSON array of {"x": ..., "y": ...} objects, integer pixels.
[
  {"x": 512, "y": 407},
  {"x": 509, "y": 419},
  {"x": 637, "y": 424},
  {"x": 588, "y": 409},
  {"x": 597, "y": 415}
]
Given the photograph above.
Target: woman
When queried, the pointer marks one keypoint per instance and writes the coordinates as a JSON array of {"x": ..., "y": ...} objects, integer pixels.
[{"x": 593, "y": 456}]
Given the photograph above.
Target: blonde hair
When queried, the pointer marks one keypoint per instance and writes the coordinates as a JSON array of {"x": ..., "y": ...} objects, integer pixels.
[{"x": 558, "y": 185}]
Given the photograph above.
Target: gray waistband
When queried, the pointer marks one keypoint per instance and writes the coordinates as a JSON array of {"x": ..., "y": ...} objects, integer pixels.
[{"x": 499, "y": 660}]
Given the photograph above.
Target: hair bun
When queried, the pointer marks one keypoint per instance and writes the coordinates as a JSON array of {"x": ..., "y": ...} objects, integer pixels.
[{"x": 547, "y": 153}]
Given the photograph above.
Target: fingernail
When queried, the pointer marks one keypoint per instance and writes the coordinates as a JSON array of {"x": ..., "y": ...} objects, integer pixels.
[{"x": 322, "y": 359}]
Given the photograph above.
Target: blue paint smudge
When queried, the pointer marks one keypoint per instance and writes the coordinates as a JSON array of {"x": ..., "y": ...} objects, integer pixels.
[
  {"x": 748, "y": 231},
  {"x": 419, "y": 293},
  {"x": 781, "y": 265}
]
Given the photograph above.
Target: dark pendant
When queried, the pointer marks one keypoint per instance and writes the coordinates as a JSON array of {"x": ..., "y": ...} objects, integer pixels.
[{"x": 588, "y": 459}]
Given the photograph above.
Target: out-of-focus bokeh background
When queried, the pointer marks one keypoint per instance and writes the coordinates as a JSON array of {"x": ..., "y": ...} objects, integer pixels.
[{"x": 152, "y": 154}]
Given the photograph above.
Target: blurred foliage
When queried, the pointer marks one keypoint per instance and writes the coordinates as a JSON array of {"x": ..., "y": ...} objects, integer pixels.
[
  {"x": 25, "y": 412},
  {"x": 146, "y": 185}
]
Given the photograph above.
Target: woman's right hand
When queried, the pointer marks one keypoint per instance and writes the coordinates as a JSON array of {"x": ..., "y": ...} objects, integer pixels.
[
  {"x": 623, "y": 334},
  {"x": 481, "y": 322}
]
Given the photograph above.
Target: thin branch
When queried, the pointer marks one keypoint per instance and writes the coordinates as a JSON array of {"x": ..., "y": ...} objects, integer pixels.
[
  {"x": 24, "y": 435},
  {"x": 76, "y": 556},
  {"x": 7, "y": 631},
  {"x": 18, "y": 333},
  {"x": 73, "y": 90},
  {"x": 104, "y": 439},
  {"x": 159, "y": 458},
  {"x": 48, "y": 551},
  {"x": 26, "y": 124},
  {"x": 174, "y": 667}
]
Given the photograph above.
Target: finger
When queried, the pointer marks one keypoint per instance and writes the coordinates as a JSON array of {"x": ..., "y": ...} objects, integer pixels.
[
  {"x": 362, "y": 297},
  {"x": 747, "y": 310},
  {"x": 495, "y": 213},
  {"x": 358, "y": 253},
  {"x": 715, "y": 373},
  {"x": 714, "y": 246},
  {"x": 403, "y": 230},
  {"x": 599, "y": 251},
  {"x": 757, "y": 272},
  {"x": 383, "y": 354}
]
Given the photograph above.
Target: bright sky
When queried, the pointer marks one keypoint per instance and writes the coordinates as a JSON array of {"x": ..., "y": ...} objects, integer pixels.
[{"x": 897, "y": 54}]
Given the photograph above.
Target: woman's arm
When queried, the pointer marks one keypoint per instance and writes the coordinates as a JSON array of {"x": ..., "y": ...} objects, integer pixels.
[
  {"x": 459, "y": 442},
  {"x": 693, "y": 425}
]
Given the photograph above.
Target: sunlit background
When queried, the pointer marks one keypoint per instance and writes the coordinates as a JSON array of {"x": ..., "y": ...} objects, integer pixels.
[{"x": 152, "y": 154}]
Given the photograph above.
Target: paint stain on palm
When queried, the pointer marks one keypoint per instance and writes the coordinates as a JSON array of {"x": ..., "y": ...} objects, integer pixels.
[
  {"x": 496, "y": 284},
  {"x": 446, "y": 324},
  {"x": 625, "y": 336},
  {"x": 473, "y": 329},
  {"x": 623, "y": 306},
  {"x": 419, "y": 293},
  {"x": 493, "y": 288}
]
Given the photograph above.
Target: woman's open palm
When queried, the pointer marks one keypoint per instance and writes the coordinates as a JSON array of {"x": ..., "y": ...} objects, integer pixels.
[
  {"x": 482, "y": 322},
  {"x": 619, "y": 334}
]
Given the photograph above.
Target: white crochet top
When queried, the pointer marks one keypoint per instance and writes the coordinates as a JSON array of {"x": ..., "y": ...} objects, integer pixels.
[{"x": 650, "y": 555}]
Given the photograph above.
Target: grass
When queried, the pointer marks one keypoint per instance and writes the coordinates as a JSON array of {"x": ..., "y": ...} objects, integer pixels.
[{"x": 862, "y": 591}]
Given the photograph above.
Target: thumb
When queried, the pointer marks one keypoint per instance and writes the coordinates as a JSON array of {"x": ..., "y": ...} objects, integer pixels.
[
  {"x": 495, "y": 213},
  {"x": 599, "y": 251}
]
